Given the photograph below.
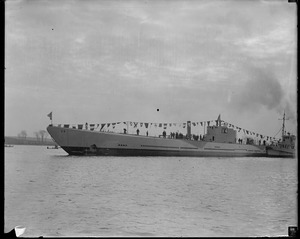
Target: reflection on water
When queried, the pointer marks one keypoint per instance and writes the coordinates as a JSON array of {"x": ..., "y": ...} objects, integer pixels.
[{"x": 53, "y": 194}]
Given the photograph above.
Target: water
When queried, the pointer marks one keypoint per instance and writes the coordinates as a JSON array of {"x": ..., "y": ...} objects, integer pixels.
[{"x": 53, "y": 194}]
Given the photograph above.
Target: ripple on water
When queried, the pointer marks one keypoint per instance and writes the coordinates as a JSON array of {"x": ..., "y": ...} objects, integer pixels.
[{"x": 52, "y": 194}]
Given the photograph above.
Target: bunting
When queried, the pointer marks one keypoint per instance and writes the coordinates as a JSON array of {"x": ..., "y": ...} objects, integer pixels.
[
  {"x": 102, "y": 125},
  {"x": 92, "y": 126},
  {"x": 165, "y": 126}
]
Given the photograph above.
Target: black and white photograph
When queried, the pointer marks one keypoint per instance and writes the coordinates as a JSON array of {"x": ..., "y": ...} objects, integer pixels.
[{"x": 150, "y": 118}]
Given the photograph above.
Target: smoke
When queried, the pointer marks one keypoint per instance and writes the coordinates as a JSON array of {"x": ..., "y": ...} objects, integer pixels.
[
  {"x": 290, "y": 109},
  {"x": 261, "y": 89}
]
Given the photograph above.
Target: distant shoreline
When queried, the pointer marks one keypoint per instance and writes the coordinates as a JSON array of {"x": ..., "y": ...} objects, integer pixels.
[{"x": 13, "y": 140}]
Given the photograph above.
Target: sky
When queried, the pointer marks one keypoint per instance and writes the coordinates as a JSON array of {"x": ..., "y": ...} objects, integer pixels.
[{"x": 101, "y": 61}]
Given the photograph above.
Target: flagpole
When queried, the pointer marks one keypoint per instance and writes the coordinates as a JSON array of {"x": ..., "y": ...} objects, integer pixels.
[{"x": 50, "y": 116}]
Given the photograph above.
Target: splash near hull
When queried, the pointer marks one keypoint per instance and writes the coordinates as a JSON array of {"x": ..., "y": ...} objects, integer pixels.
[{"x": 86, "y": 142}]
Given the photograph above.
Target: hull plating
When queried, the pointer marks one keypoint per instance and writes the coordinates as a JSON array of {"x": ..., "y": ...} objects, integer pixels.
[
  {"x": 274, "y": 152},
  {"x": 83, "y": 142},
  {"x": 149, "y": 152}
]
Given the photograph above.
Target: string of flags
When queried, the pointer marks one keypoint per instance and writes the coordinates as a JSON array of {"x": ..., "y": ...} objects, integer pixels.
[{"x": 147, "y": 125}]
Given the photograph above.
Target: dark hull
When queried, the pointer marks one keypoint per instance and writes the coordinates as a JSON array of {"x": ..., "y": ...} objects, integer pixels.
[
  {"x": 81, "y": 151},
  {"x": 280, "y": 153}
]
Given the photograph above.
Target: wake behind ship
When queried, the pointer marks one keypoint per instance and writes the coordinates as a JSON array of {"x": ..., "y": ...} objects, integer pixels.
[{"x": 220, "y": 141}]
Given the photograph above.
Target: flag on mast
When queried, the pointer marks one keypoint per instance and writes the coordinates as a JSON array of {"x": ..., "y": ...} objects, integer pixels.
[
  {"x": 50, "y": 115},
  {"x": 218, "y": 121}
]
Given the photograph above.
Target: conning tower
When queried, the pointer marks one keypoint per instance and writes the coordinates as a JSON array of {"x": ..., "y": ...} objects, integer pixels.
[{"x": 219, "y": 133}]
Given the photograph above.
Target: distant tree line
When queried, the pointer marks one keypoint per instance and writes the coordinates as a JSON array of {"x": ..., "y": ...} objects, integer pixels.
[
  {"x": 40, "y": 135},
  {"x": 22, "y": 134}
]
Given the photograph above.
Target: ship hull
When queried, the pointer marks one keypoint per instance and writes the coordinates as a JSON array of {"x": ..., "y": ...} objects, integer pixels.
[
  {"x": 148, "y": 152},
  {"x": 85, "y": 142},
  {"x": 279, "y": 152}
]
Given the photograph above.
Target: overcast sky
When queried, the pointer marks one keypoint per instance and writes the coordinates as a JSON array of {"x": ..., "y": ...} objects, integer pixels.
[{"x": 106, "y": 61}]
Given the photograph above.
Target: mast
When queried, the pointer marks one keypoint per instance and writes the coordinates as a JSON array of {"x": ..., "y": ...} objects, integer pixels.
[{"x": 283, "y": 124}]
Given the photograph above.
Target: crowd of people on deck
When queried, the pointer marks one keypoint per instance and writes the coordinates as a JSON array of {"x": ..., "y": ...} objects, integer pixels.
[
  {"x": 177, "y": 135},
  {"x": 172, "y": 135}
]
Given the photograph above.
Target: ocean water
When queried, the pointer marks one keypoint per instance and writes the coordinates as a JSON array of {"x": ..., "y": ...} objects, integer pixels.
[{"x": 53, "y": 194}]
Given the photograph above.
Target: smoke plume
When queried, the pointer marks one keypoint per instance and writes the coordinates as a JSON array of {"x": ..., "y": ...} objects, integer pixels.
[{"x": 261, "y": 89}]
